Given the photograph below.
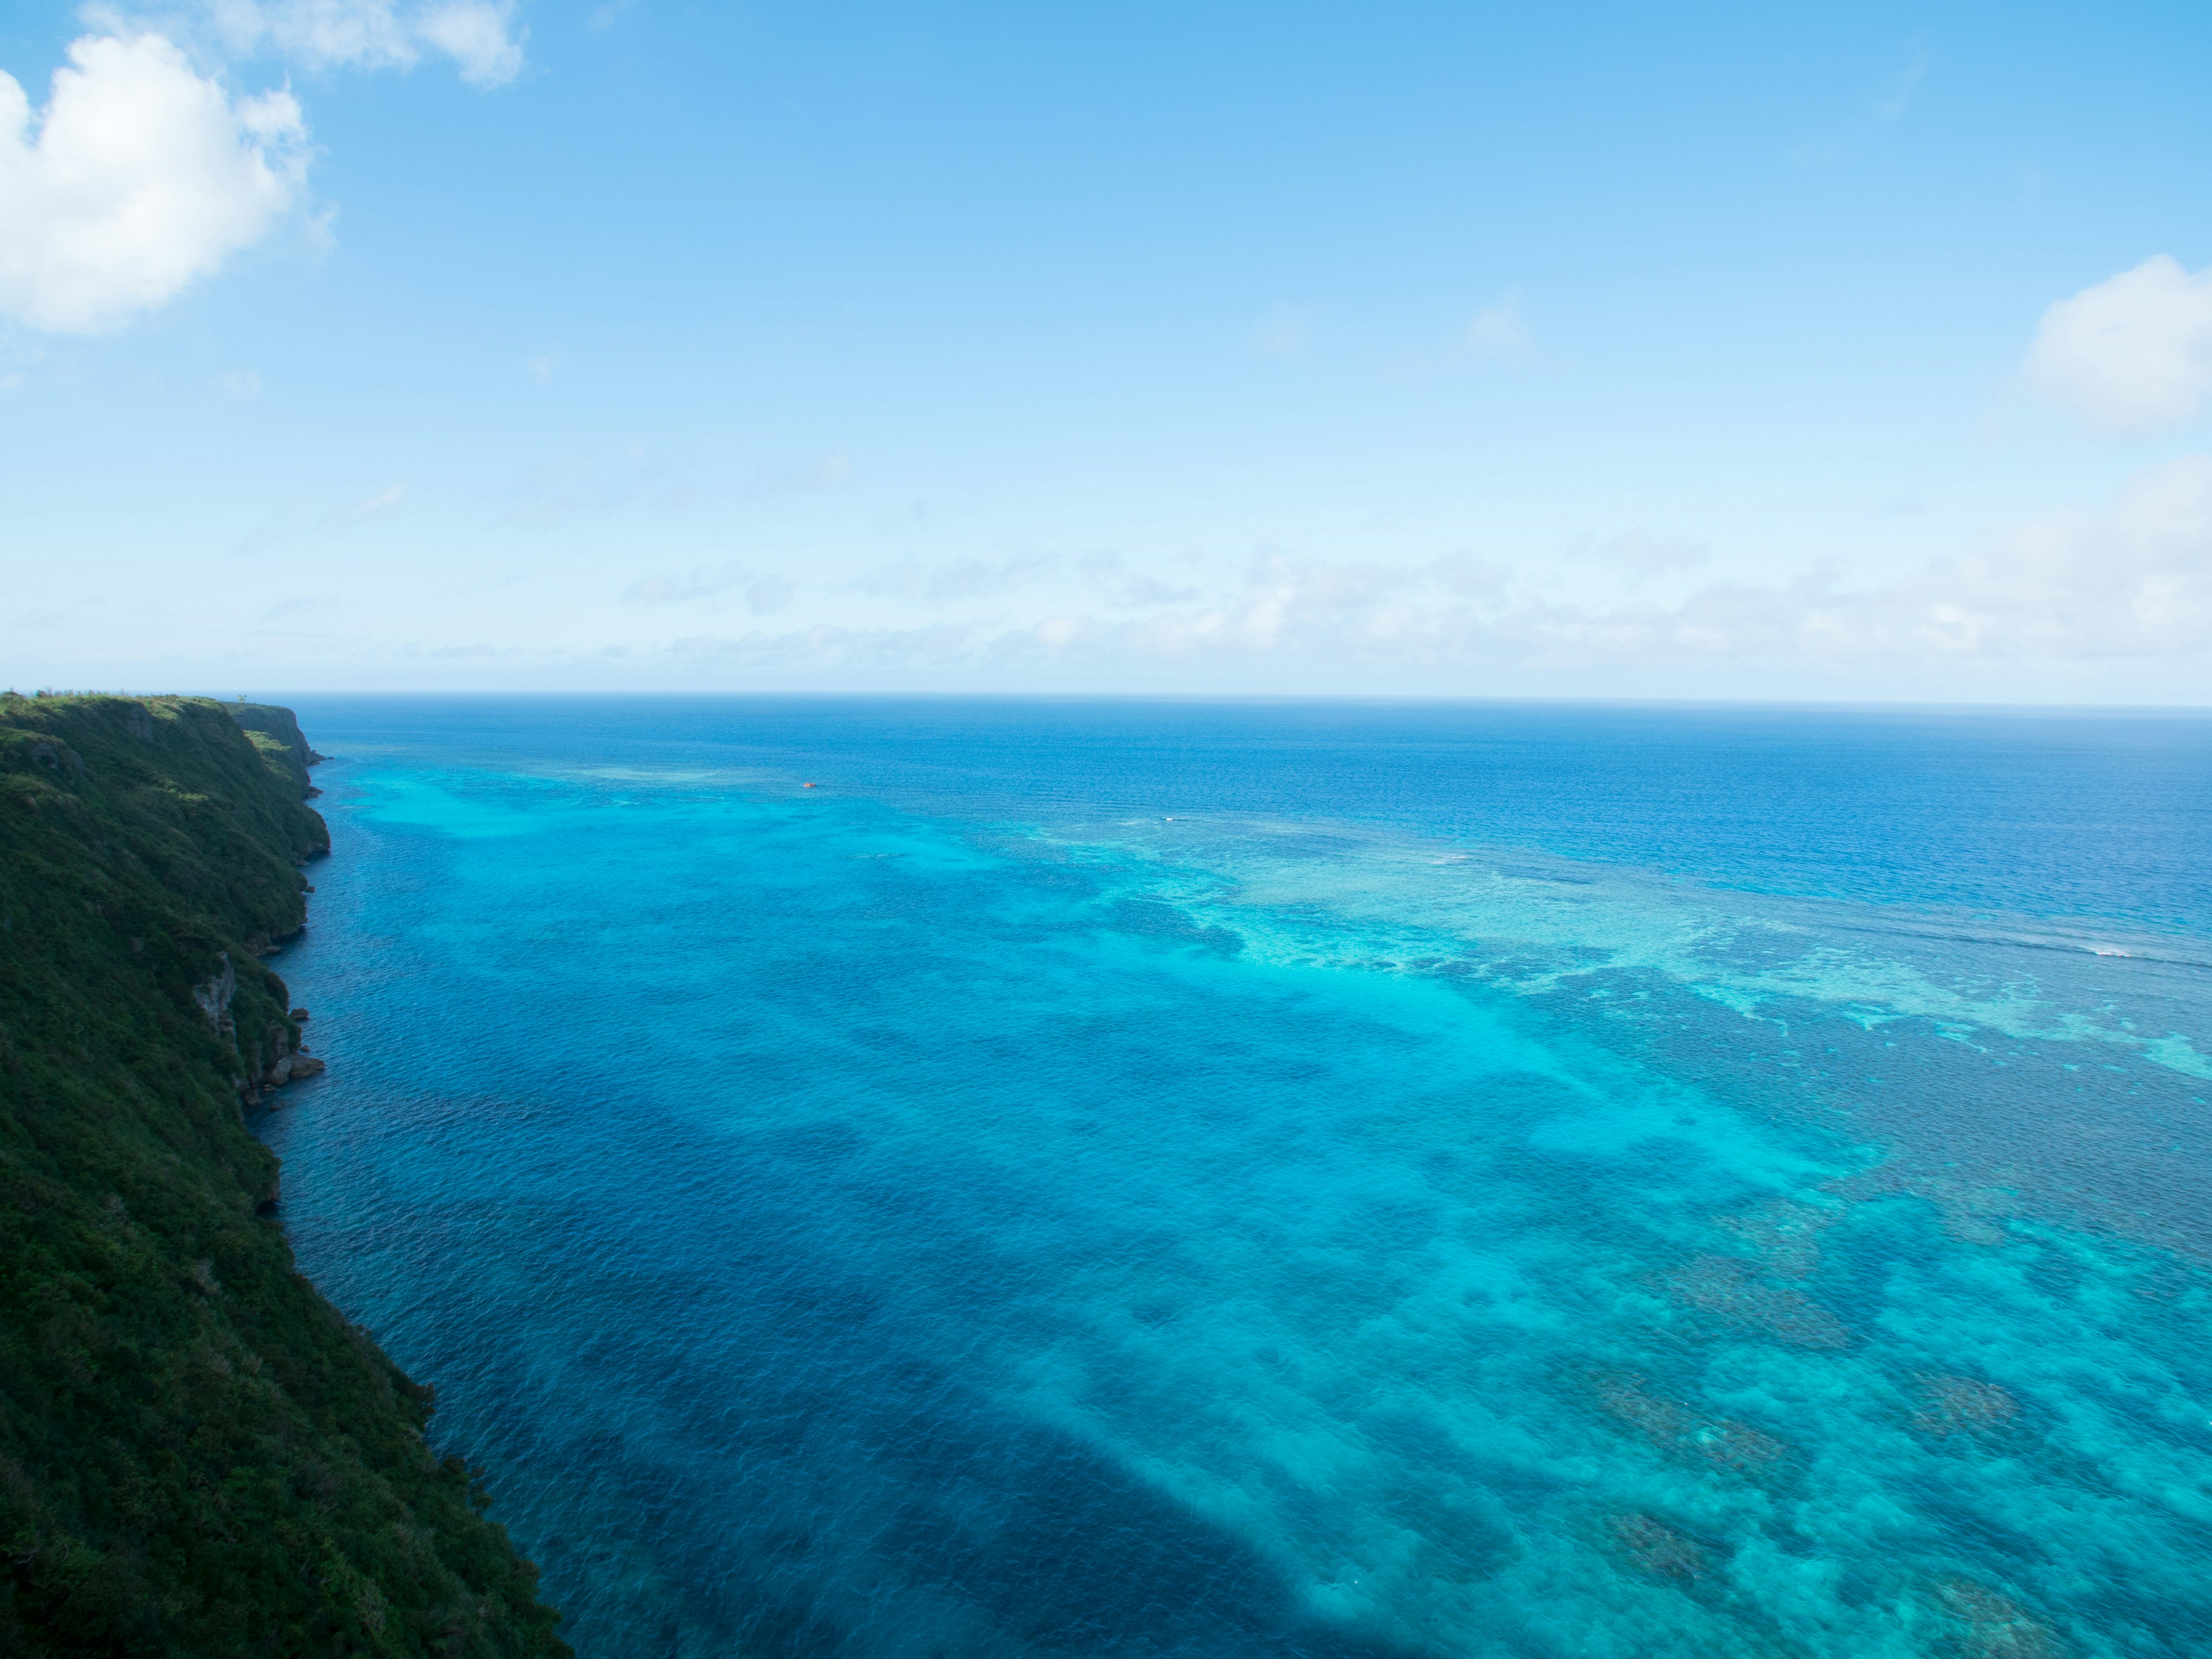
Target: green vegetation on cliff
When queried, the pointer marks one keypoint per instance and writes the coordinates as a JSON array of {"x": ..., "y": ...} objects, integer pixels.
[
  {"x": 276, "y": 733},
  {"x": 198, "y": 1454}
]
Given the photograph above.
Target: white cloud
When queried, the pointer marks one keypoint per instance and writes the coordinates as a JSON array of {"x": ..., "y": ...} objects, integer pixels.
[
  {"x": 478, "y": 35},
  {"x": 138, "y": 176},
  {"x": 141, "y": 174},
  {"x": 2135, "y": 350},
  {"x": 2132, "y": 578},
  {"x": 2115, "y": 595}
]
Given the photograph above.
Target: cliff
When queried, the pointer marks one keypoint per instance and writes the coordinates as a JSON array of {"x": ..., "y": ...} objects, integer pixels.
[
  {"x": 275, "y": 733},
  {"x": 198, "y": 1454}
]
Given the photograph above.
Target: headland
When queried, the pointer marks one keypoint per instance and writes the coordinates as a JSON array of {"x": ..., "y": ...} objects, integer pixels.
[{"x": 198, "y": 1453}]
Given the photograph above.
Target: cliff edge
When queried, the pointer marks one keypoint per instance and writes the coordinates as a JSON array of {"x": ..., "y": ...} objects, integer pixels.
[
  {"x": 198, "y": 1454},
  {"x": 274, "y": 732}
]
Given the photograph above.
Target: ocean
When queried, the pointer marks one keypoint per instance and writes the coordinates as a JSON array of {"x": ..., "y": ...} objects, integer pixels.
[{"x": 1007, "y": 1179}]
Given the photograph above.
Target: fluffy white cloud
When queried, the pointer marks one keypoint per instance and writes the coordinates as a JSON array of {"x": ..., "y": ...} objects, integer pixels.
[
  {"x": 2135, "y": 350},
  {"x": 139, "y": 176},
  {"x": 478, "y": 35},
  {"x": 481, "y": 37}
]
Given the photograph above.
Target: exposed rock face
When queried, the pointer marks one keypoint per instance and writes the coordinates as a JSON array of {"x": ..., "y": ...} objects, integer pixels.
[
  {"x": 215, "y": 997},
  {"x": 278, "y": 1058},
  {"x": 277, "y": 1062}
]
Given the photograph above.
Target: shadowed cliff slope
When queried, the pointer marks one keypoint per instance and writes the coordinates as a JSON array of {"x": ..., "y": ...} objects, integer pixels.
[{"x": 198, "y": 1454}]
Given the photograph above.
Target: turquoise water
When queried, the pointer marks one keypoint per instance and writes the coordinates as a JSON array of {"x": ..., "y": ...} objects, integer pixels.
[{"x": 1143, "y": 1179}]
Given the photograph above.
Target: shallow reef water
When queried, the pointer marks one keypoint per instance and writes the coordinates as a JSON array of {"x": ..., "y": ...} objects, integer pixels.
[{"x": 1345, "y": 1181}]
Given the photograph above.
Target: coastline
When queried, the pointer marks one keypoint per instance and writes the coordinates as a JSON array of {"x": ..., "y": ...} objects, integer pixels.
[{"x": 198, "y": 1451}]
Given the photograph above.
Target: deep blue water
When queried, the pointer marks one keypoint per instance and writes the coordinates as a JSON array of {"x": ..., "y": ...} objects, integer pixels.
[{"x": 1340, "y": 1181}]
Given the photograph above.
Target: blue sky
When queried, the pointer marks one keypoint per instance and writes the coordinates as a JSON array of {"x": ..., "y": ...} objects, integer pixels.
[{"x": 1522, "y": 351}]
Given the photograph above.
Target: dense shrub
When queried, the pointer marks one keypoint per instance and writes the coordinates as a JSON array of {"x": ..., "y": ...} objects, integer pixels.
[{"x": 198, "y": 1454}]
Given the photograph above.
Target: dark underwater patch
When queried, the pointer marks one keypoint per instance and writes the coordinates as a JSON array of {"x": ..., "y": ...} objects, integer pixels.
[{"x": 1140, "y": 918}]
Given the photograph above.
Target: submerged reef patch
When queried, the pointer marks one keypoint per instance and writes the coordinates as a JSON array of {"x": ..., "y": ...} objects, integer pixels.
[{"x": 1731, "y": 1291}]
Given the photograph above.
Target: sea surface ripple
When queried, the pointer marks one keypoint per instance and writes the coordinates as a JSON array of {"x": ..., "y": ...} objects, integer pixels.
[{"x": 984, "y": 1178}]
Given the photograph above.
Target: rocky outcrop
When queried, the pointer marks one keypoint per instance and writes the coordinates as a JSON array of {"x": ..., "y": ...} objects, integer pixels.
[
  {"x": 283, "y": 1060},
  {"x": 215, "y": 996},
  {"x": 278, "y": 1057}
]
